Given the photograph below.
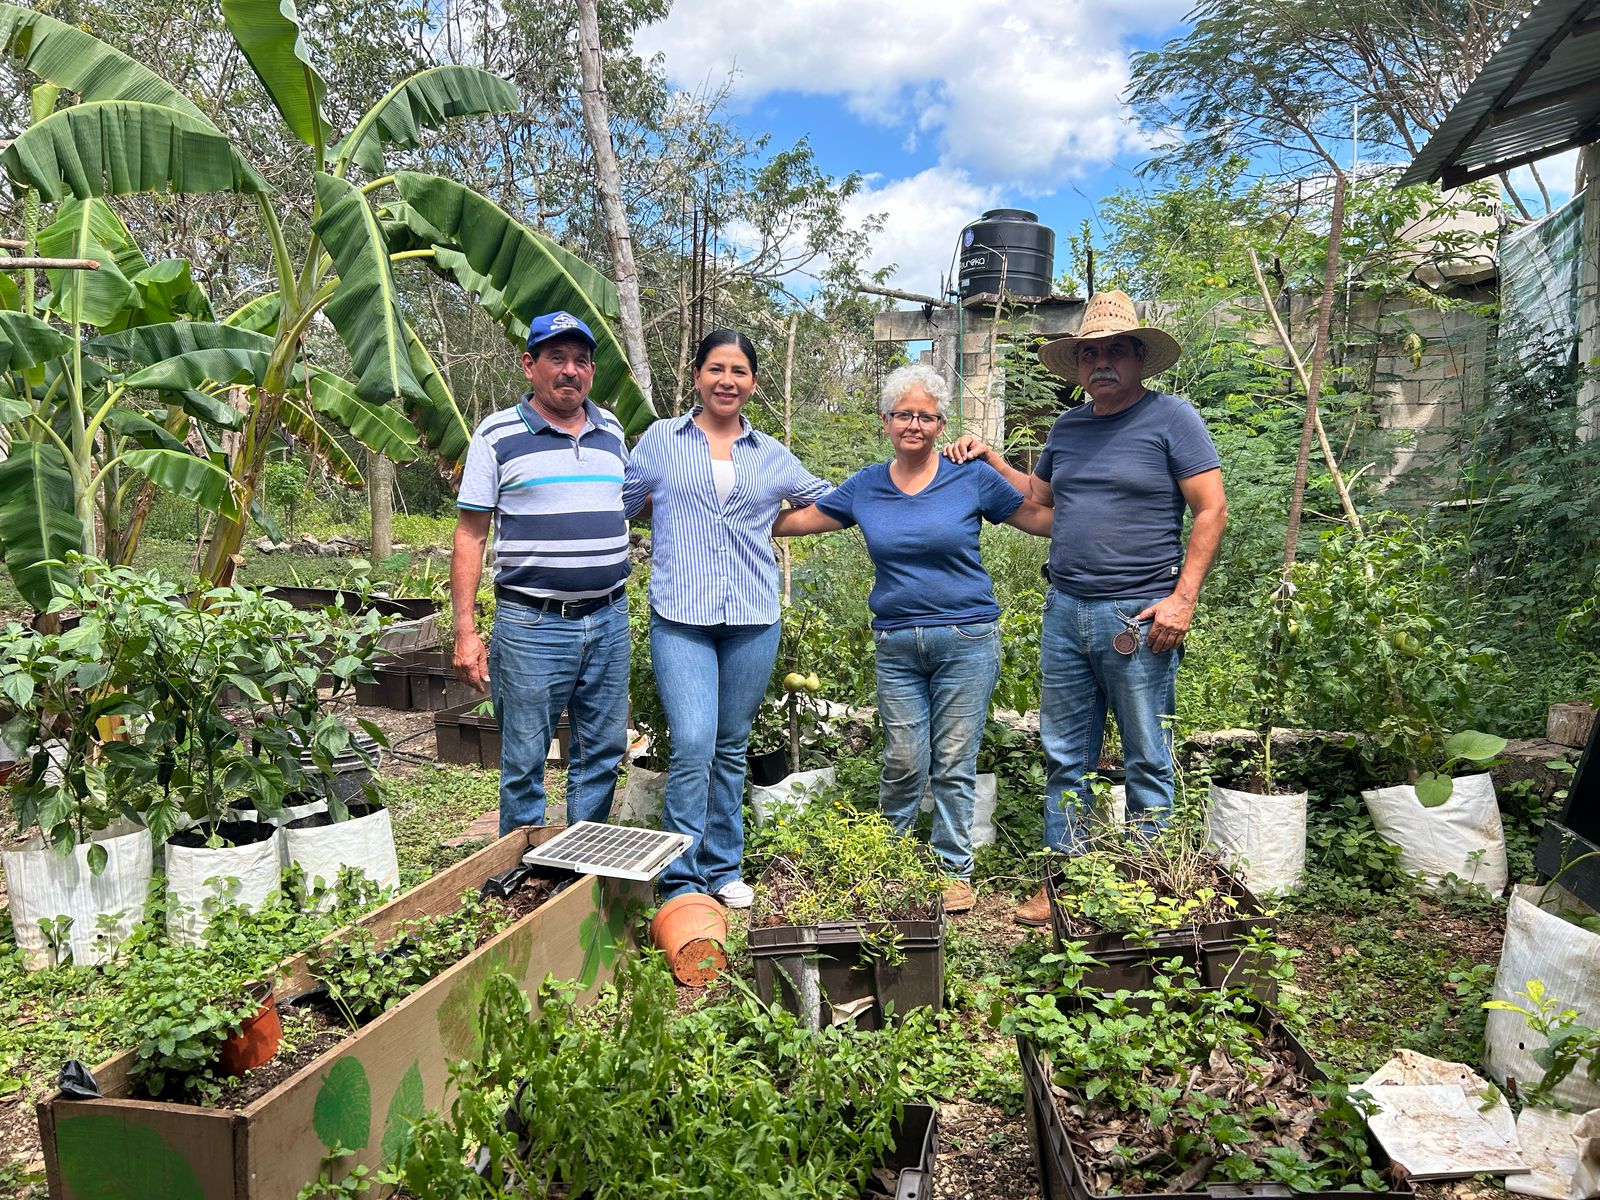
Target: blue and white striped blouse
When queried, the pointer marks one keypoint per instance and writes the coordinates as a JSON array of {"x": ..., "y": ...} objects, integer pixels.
[{"x": 711, "y": 563}]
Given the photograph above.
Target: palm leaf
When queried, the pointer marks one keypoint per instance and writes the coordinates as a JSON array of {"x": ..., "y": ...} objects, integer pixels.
[
  {"x": 268, "y": 31},
  {"x": 87, "y": 229},
  {"x": 148, "y": 344},
  {"x": 304, "y": 427},
  {"x": 424, "y": 101},
  {"x": 187, "y": 475},
  {"x": 375, "y": 426},
  {"x": 444, "y": 430},
  {"x": 66, "y": 55},
  {"x": 515, "y": 275},
  {"x": 191, "y": 371},
  {"x": 29, "y": 342},
  {"x": 366, "y": 307},
  {"x": 120, "y": 147},
  {"x": 37, "y": 522}
]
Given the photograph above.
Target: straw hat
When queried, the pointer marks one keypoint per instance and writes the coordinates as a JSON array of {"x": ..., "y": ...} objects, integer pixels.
[{"x": 1106, "y": 315}]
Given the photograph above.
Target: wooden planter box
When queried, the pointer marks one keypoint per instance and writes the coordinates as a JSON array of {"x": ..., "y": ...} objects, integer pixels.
[
  {"x": 813, "y": 970},
  {"x": 472, "y": 739},
  {"x": 1213, "y": 948},
  {"x": 1061, "y": 1173},
  {"x": 360, "y": 1094}
]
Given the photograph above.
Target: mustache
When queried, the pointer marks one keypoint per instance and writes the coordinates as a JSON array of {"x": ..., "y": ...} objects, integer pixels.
[{"x": 1103, "y": 373}]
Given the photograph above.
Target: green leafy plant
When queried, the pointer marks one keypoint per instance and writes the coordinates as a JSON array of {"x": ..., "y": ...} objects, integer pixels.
[
  {"x": 631, "y": 1098},
  {"x": 1569, "y": 1043}
]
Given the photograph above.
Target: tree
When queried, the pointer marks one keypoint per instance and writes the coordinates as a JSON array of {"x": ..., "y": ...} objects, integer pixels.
[{"x": 132, "y": 133}]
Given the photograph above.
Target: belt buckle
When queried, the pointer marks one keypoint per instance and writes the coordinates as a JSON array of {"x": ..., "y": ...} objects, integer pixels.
[{"x": 574, "y": 605}]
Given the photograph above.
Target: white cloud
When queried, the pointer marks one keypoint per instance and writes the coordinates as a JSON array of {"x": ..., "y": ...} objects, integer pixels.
[
  {"x": 1557, "y": 171},
  {"x": 924, "y": 216},
  {"x": 1023, "y": 92}
]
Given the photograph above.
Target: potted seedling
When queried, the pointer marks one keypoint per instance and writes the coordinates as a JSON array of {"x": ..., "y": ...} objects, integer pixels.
[
  {"x": 76, "y": 887},
  {"x": 311, "y": 661},
  {"x": 1386, "y": 651},
  {"x": 1255, "y": 821},
  {"x": 848, "y": 918}
]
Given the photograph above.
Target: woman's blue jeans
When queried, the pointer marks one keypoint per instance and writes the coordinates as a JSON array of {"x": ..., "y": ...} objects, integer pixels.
[
  {"x": 934, "y": 685},
  {"x": 539, "y": 664},
  {"x": 711, "y": 679},
  {"x": 1082, "y": 675}
]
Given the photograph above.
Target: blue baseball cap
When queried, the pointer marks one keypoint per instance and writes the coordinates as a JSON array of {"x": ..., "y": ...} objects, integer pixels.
[{"x": 555, "y": 324}]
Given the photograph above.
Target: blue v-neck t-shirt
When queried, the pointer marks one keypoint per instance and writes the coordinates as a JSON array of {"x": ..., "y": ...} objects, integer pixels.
[{"x": 924, "y": 547}]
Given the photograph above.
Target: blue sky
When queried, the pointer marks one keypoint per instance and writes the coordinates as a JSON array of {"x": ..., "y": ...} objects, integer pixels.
[{"x": 947, "y": 107}]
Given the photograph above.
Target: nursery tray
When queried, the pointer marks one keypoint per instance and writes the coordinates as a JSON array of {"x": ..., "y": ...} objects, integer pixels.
[
  {"x": 359, "y": 1094},
  {"x": 1061, "y": 1174},
  {"x": 1213, "y": 948},
  {"x": 466, "y": 736},
  {"x": 422, "y": 681},
  {"x": 832, "y": 967}
]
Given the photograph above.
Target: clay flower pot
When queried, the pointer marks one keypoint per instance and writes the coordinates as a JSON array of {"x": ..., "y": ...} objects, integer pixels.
[
  {"x": 257, "y": 1039},
  {"x": 690, "y": 930}
]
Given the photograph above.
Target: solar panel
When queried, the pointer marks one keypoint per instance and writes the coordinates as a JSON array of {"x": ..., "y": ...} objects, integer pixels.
[{"x": 592, "y": 848}]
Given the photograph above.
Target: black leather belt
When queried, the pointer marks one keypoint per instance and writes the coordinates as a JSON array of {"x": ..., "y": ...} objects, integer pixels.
[{"x": 567, "y": 608}]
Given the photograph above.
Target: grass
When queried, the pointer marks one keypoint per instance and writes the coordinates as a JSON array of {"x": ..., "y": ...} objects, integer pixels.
[{"x": 432, "y": 805}]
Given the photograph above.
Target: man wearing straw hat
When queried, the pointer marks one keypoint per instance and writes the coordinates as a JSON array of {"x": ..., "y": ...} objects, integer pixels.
[{"x": 1118, "y": 473}]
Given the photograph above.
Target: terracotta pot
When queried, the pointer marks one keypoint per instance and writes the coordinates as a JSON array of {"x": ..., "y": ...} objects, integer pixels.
[
  {"x": 257, "y": 1039},
  {"x": 690, "y": 930}
]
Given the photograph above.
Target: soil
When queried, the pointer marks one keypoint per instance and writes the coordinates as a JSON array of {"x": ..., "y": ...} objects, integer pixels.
[{"x": 315, "y": 1031}]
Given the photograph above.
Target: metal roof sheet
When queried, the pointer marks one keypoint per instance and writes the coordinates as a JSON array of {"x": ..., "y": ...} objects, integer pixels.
[{"x": 1537, "y": 95}]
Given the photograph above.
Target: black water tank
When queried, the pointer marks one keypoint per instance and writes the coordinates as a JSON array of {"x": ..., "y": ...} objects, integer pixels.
[{"x": 1009, "y": 242}]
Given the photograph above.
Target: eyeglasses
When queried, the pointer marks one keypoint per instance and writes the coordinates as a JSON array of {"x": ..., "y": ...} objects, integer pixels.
[{"x": 914, "y": 418}]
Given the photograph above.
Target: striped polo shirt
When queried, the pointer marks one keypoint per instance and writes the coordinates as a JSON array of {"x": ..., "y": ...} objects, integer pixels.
[
  {"x": 711, "y": 560},
  {"x": 559, "y": 531}
]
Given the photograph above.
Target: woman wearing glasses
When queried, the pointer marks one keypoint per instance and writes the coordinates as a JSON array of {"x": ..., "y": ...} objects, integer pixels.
[{"x": 934, "y": 615}]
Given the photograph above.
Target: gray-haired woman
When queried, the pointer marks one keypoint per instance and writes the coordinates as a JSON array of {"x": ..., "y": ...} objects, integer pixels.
[{"x": 934, "y": 616}]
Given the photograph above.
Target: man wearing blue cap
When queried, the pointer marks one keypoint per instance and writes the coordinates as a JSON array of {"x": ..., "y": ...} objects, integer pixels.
[{"x": 549, "y": 472}]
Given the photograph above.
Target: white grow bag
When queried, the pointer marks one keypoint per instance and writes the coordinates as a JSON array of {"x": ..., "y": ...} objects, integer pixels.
[
  {"x": 984, "y": 795},
  {"x": 1261, "y": 838},
  {"x": 322, "y": 851},
  {"x": 43, "y": 885},
  {"x": 1566, "y": 959},
  {"x": 789, "y": 793},
  {"x": 1461, "y": 837},
  {"x": 201, "y": 879},
  {"x": 642, "y": 797}
]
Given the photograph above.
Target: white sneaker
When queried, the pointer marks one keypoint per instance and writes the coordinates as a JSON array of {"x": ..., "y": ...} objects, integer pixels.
[{"x": 737, "y": 894}]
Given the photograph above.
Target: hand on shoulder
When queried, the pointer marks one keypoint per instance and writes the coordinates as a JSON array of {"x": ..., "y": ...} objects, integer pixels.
[{"x": 967, "y": 448}]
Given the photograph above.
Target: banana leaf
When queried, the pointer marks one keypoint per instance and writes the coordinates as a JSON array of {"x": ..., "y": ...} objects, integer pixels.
[
  {"x": 424, "y": 101},
  {"x": 37, "y": 522},
  {"x": 88, "y": 229},
  {"x": 269, "y": 33},
  {"x": 29, "y": 342},
  {"x": 149, "y": 344}
]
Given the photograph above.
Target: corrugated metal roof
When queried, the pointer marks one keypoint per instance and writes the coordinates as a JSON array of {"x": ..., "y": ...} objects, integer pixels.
[{"x": 1538, "y": 94}]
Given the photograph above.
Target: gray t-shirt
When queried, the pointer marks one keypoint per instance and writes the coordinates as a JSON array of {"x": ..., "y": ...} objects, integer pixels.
[{"x": 1118, "y": 524}]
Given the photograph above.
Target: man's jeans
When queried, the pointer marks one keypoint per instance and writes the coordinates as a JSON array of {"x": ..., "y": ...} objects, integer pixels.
[
  {"x": 711, "y": 679},
  {"x": 934, "y": 684},
  {"x": 1081, "y": 674},
  {"x": 540, "y": 663}
]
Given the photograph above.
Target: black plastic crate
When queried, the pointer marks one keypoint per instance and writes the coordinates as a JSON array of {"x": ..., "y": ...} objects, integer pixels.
[
  {"x": 422, "y": 681},
  {"x": 1212, "y": 948},
  {"x": 463, "y": 735},
  {"x": 1061, "y": 1174},
  {"x": 841, "y": 960}
]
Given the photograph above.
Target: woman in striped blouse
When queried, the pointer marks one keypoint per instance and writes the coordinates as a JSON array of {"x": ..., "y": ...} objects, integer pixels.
[{"x": 714, "y": 485}]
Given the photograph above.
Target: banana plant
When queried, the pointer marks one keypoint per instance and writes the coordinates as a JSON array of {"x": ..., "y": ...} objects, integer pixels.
[{"x": 132, "y": 132}]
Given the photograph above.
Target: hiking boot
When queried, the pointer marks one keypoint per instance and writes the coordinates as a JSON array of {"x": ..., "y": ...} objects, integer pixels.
[
  {"x": 1036, "y": 912},
  {"x": 959, "y": 897}
]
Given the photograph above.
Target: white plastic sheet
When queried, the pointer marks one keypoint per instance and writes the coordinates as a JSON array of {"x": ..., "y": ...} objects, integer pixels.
[
  {"x": 1541, "y": 945},
  {"x": 1440, "y": 1119},
  {"x": 1461, "y": 837},
  {"x": 43, "y": 885},
  {"x": 322, "y": 851},
  {"x": 1562, "y": 1152},
  {"x": 200, "y": 879},
  {"x": 1261, "y": 838}
]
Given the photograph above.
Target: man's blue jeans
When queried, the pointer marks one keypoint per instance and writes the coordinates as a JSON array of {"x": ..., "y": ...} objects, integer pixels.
[
  {"x": 540, "y": 663},
  {"x": 1081, "y": 675},
  {"x": 711, "y": 679},
  {"x": 934, "y": 684}
]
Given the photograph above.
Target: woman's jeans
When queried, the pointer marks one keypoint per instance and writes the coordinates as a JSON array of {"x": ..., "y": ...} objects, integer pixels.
[
  {"x": 711, "y": 679},
  {"x": 540, "y": 663},
  {"x": 934, "y": 684},
  {"x": 1081, "y": 675}
]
